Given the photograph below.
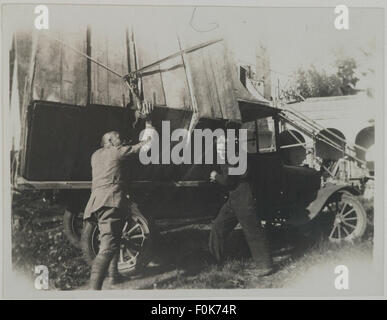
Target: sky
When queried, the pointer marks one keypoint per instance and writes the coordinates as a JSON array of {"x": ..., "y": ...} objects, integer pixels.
[{"x": 294, "y": 37}]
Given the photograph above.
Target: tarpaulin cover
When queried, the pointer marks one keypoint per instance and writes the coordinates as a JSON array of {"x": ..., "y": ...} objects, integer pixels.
[{"x": 60, "y": 140}]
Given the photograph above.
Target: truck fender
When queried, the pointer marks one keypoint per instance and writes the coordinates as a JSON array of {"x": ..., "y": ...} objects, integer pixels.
[{"x": 323, "y": 195}]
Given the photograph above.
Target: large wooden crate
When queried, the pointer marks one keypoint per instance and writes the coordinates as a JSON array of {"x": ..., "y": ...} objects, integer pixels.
[
  {"x": 69, "y": 102},
  {"x": 60, "y": 139}
]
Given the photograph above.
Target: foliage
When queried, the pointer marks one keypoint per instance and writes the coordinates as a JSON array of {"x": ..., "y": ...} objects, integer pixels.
[
  {"x": 346, "y": 72},
  {"x": 311, "y": 82},
  {"x": 37, "y": 239}
]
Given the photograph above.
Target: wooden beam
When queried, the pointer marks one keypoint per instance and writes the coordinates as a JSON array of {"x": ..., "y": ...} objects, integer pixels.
[
  {"x": 88, "y": 52},
  {"x": 23, "y": 184}
]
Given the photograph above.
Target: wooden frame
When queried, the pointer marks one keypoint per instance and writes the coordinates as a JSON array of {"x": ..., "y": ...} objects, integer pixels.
[{"x": 24, "y": 184}]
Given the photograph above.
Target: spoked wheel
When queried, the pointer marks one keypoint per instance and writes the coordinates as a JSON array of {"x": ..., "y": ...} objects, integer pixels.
[
  {"x": 135, "y": 236},
  {"x": 73, "y": 224},
  {"x": 347, "y": 219},
  {"x": 135, "y": 249}
]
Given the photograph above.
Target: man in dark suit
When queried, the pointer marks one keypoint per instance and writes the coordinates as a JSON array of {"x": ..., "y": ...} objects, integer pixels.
[
  {"x": 239, "y": 207},
  {"x": 108, "y": 203}
]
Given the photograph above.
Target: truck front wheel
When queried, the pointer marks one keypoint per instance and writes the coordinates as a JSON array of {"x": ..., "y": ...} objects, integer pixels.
[{"x": 346, "y": 217}]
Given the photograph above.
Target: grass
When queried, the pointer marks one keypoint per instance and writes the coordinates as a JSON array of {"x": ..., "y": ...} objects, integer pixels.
[
  {"x": 240, "y": 273},
  {"x": 183, "y": 246},
  {"x": 38, "y": 239}
]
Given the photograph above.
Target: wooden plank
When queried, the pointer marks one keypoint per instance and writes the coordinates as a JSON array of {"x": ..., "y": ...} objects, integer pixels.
[
  {"x": 60, "y": 73},
  {"x": 99, "y": 76},
  {"x": 213, "y": 82},
  {"x": 212, "y": 93},
  {"x": 88, "y": 70},
  {"x": 117, "y": 60},
  {"x": 46, "y": 185},
  {"x": 23, "y": 51},
  {"x": 109, "y": 49},
  {"x": 175, "y": 84},
  {"x": 224, "y": 70},
  {"x": 147, "y": 53},
  {"x": 168, "y": 80},
  {"x": 27, "y": 93},
  {"x": 74, "y": 69},
  {"x": 205, "y": 103},
  {"x": 47, "y": 78}
]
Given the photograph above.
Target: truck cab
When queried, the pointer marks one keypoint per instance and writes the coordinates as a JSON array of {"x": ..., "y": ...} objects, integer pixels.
[{"x": 278, "y": 187}]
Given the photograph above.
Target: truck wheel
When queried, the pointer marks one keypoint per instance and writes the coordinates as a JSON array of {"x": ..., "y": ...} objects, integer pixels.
[
  {"x": 347, "y": 218},
  {"x": 72, "y": 225},
  {"x": 136, "y": 242}
]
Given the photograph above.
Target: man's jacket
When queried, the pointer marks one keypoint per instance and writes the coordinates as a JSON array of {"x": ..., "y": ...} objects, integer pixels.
[
  {"x": 240, "y": 187},
  {"x": 108, "y": 186}
]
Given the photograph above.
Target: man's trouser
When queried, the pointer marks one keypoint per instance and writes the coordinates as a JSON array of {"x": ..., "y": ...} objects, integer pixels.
[
  {"x": 240, "y": 207},
  {"x": 110, "y": 224}
]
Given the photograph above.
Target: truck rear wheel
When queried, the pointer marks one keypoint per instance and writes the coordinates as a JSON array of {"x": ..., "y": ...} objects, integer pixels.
[
  {"x": 75, "y": 203},
  {"x": 72, "y": 225},
  {"x": 136, "y": 242}
]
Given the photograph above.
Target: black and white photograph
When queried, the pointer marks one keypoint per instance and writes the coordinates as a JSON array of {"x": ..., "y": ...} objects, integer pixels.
[{"x": 193, "y": 151}]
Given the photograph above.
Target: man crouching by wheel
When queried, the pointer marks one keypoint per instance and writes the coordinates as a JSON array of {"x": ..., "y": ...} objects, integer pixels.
[{"x": 108, "y": 203}]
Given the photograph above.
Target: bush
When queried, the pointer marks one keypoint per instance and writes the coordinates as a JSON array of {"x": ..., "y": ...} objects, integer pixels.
[{"x": 38, "y": 239}]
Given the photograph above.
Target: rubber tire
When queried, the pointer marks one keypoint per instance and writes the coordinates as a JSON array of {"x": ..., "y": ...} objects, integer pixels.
[
  {"x": 361, "y": 229},
  {"x": 68, "y": 229},
  {"x": 321, "y": 229},
  {"x": 318, "y": 229},
  {"x": 90, "y": 232}
]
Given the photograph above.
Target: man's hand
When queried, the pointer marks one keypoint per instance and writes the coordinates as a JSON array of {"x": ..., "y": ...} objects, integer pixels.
[
  {"x": 145, "y": 108},
  {"x": 213, "y": 176}
]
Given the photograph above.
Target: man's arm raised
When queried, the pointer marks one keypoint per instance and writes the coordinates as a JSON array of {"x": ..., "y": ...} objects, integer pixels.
[
  {"x": 144, "y": 110},
  {"x": 127, "y": 151}
]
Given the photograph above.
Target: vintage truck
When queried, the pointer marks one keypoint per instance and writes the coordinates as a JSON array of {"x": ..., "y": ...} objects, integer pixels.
[{"x": 198, "y": 88}]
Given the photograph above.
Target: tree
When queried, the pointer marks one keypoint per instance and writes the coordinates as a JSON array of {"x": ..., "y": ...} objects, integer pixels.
[
  {"x": 346, "y": 68},
  {"x": 314, "y": 83}
]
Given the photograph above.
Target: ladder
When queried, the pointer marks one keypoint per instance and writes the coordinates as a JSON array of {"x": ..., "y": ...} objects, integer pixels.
[{"x": 317, "y": 132}]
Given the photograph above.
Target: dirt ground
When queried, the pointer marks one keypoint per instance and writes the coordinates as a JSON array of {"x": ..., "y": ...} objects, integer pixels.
[{"x": 181, "y": 258}]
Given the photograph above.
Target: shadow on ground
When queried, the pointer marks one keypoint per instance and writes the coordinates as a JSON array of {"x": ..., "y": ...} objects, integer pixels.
[{"x": 182, "y": 252}]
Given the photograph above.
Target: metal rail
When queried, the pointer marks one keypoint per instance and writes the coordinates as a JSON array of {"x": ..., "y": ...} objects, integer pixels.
[
  {"x": 304, "y": 126},
  {"x": 319, "y": 127},
  {"x": 304, "y": 146}
]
